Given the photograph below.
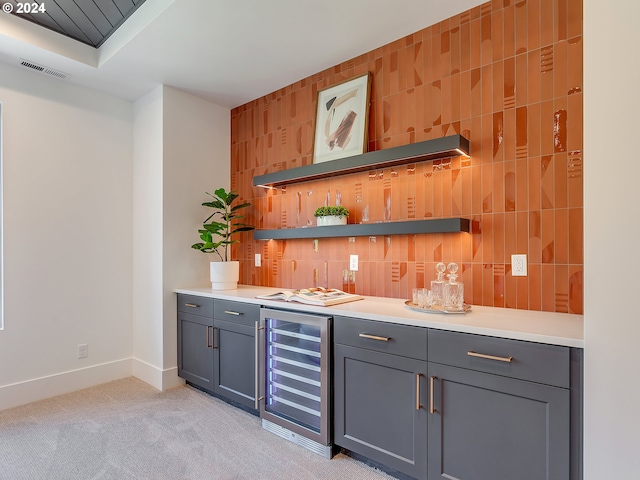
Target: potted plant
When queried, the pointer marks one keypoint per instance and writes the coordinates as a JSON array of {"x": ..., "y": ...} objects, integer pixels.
[
  {"x": 217, "y": 234},
  {"x": 331, "y": 215}
]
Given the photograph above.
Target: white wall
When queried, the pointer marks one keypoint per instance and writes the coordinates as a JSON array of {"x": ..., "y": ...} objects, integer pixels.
[
  {"x": 147, "y": 238},
  {"x": 182, "y": 150},
  {"x": 197, "y": 159},
  {"x": 67, "y": 234},
  {"x": 612, "y": 237}
]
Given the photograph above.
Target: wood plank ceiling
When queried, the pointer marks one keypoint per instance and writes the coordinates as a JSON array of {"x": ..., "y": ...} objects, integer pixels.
[{"x": 87, "y": 21}]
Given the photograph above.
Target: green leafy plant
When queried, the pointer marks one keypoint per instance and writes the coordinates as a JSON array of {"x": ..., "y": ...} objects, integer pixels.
[
  {"x": 338, "y": 211},
  {"x": 216, "y": 234}
]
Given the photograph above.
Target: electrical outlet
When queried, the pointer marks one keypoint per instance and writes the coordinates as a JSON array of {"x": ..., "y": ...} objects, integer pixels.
[
  {"x": 83, "y": 350},
  {"x": 353, "y": 263},
  {"x": 519, "y": 265},
  {"x": 258, "y": 260}
]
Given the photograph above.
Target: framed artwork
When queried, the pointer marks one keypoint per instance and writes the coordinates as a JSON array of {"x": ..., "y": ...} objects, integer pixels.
[{"x": 342, "y": 118}]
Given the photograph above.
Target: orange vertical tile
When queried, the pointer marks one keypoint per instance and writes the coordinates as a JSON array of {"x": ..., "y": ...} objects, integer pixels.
[
  {"x": 576, "y": 289},
  {"x": 533, "y": 26},
  {"x": 487, "y": 285},
  {"x": 499, "y": 239},
  {"x": 477, "y": 271},
  {"x": 561, "y": 288},
  {"x": 561, "y": 236},
  {"x": 574, "y": 18},
  {"x": 509, "y": 45},
  {"x": 535, "y": 286},
  {"x": 475, "y": 44},
  {"x": 575, "y": 233},
  {"x": 535, "y": 237},
  {"x": 486, "y": 40},
  {"x": 521, "y": 27},
  {"x": 487, "y": 89},
  {"x": 522, "y": 79},
  {"x": 498, "y": 86},
  {"x": 465, "y": 47},
  {"x": 496, "y": 35}
]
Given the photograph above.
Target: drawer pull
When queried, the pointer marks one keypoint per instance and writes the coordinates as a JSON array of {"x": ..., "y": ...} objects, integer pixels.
[
  {"x": 432, "y": 409},
  {"x": 418, "y": 406},
  {"x": 191, "y": 305},
  {"x": 231, "y": 312},
  {"x": 490, "y": 357},
  {"x": 375, "y": 337}
]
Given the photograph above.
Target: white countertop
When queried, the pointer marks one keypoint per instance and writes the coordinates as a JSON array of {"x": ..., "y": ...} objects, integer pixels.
[{"x": 543, "y": 327}]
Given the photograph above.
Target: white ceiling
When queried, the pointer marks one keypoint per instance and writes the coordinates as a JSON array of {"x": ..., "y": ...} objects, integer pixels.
[{"x": 227, "y": 51}]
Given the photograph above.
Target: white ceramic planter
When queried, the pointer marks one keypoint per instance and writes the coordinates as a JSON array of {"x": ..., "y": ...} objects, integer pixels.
[
  {"x": 224, "y": 275},
  {"x": 331, "y": 220}
]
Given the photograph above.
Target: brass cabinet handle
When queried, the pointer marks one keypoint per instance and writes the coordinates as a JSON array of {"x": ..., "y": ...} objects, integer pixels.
[
  {"x": 375, "y": 337},
  {"x": 191, "y": 305},
  {"x": 490, "y": 357},
  {"x": 213, "y": 337},
  {"x": 418, "y": 406},
  {"x": 209, "y": 336},
  {"x": 432, "y": 409},
  {"x": 231, "y": 312}
]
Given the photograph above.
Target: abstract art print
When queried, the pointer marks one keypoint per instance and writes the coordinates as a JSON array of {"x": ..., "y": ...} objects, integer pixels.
[{"x": 342, "y": 115}]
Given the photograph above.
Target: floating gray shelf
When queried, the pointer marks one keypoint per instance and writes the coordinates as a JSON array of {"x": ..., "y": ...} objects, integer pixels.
[
  {"x": 435, "y": 225},
  {"x": 453, "y": 145}
]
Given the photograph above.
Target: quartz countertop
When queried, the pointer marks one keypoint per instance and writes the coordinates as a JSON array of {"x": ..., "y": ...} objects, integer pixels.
[{"x": 543, "y": 327}]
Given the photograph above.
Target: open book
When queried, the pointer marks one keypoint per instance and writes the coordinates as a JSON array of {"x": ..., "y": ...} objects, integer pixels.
[{"x": 314, "y": 296}]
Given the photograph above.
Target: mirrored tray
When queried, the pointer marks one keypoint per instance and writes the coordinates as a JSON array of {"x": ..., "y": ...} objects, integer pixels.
[{"x": 465, "y": 308}]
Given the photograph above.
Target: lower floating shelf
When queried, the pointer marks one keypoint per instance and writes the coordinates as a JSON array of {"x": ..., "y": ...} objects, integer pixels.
[{"x": 411, "y": 227}]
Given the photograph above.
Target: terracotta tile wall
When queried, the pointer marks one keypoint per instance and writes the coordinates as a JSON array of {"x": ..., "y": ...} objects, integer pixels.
[{"x": 508, "y": 76}]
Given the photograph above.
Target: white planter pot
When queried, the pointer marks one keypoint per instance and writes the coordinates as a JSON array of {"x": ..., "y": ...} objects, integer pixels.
[
  {"x": 331, "y": 220},
  {"x": 224, "y": 275}
]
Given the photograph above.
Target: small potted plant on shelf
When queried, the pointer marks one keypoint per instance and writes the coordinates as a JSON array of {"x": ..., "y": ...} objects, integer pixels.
[
  {"x": 331, "y": 215},
  {"x": 217, "y": 234}
]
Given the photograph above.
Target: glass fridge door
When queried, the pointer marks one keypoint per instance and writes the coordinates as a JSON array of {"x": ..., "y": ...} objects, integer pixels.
[{"x": 296, "y": 372}]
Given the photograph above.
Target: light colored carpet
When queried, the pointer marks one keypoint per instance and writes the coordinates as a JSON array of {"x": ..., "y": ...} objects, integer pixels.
[{"x": 127, "y": 430}]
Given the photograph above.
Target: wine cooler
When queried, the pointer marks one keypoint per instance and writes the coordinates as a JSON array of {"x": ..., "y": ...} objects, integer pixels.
[{"x": 295, "y": 377}]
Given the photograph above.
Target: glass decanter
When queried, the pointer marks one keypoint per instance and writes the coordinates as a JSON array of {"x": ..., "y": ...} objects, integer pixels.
[
  {"x": 453, "y": 290},
  {"x": 437, "y": 286}
]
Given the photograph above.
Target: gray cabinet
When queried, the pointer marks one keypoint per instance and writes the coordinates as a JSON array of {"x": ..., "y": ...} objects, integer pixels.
[
  {"x": 195, "y": 340},
  {"x": 380, "y": 393},
  {"x": 217, "y": 347},
  {"x": 498, "y": 409},
  {"x": 235, "y": 372}
]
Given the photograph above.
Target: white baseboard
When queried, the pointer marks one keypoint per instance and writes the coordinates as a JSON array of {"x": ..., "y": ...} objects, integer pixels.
[
  {"x": 66, "y": 382},
  {"x": 156, "y": 377}
]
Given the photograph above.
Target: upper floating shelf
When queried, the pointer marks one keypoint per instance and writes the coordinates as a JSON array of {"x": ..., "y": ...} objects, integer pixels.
[
  {"x": 410, "y": 227},
  {"x": 451, "y": 146}
]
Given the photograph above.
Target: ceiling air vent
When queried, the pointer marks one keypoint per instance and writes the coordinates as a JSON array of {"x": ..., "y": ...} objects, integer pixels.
[{"x": 42, "y": 69}]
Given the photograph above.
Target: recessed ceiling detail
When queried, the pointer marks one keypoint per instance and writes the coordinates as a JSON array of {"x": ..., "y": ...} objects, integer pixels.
[{"x": 88, "y": 21}]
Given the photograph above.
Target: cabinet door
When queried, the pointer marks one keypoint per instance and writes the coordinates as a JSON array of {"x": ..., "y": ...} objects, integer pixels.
[
  {"x": 195, "y": 349},
  {"x": 380, "y": 408},
  {"x": 488, "y": 427},
  {"x": 235, "y": 362}
]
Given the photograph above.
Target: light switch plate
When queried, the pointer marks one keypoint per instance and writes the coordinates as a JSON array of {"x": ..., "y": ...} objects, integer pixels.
[
  {"x": 258, "y": 260},
  {"x": 519, "y": 265},
  {"x": 353, "y": 263}
]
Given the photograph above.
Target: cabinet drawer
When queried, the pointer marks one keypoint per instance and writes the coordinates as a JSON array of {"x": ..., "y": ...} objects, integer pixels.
[
  {"x": 236, "y": 312},
  {"x": 391, "y": 338},
  {"x": 535, "y": 362},
  {"x": 195, "y": 305}
]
